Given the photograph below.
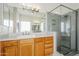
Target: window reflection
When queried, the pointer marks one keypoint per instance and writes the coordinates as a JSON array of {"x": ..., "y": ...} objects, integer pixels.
[
  {"x": 62, "y": 27},
  {"x": 25, "y": 26},
  {"x": 9, "y": 24}
]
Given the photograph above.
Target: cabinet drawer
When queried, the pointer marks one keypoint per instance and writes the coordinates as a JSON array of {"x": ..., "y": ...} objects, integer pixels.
[
  {"x": 48, "y": 45},
  {"x": 49, "y": 51},
  {"x": 10, "y": 43},
  {"x": 49, "y": 38},
  {"x": 49, "y": 42},
  {"x": 39, "y": 39},
  {"x": 26, "y": 41}
]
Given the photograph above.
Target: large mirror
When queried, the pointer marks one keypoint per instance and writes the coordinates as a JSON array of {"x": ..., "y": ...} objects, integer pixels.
[{"x": 17, "y": 20}]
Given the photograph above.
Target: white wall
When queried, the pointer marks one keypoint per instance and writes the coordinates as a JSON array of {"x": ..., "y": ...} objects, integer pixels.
[{"x": 78, "y": 29}]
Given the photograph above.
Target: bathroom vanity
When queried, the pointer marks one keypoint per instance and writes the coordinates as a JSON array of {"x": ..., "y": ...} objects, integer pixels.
[{"x": 27, "y": 46}]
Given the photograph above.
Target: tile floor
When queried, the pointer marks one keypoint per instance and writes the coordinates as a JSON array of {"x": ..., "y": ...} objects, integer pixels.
[{"x": 57, "y": 54}]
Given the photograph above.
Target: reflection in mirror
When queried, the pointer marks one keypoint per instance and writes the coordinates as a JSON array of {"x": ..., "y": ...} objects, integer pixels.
[
  {"x": 25, "y": 26},
  {"x": 17, "y": 20},
  {"x": 38, "y": 27},
  {"x": 7, "y": 19}
]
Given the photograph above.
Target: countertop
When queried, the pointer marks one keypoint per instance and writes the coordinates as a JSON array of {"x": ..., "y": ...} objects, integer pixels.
[{"x": 33, "y": 35}]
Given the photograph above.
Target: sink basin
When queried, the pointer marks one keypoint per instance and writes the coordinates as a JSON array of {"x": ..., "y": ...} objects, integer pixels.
[{"x": 4, "y": 36}]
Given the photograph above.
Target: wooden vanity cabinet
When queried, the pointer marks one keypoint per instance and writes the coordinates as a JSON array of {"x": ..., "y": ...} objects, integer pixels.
[
  {"x": 39, "y": 46},
  {"x": 42, "y": 46},
  {"x": 10, "y": 48},
  {"x": 26, "y": 47}
]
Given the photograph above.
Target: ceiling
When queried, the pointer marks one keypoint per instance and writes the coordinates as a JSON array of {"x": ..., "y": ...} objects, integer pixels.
[{"x": 46, "y": 7}]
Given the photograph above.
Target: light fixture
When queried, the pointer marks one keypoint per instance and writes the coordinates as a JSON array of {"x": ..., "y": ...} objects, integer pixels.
[{"x": 33, "y": 8}]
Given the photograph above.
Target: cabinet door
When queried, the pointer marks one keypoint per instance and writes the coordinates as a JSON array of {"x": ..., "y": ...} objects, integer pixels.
[
  {"x": 10, "y": 51},
  {"x": 39, "y": 47},
  {"x": 26, "y": 50},
  {"x": 26, "y": 47},
  {"x": 0, "y": 49}
]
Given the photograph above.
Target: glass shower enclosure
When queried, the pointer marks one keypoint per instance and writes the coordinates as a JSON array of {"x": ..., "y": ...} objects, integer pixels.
[{"x": 65, "y": 41}]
